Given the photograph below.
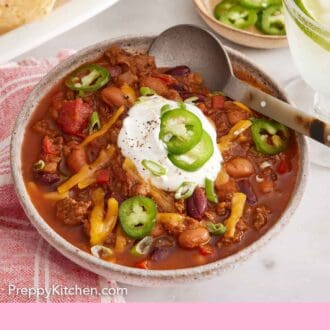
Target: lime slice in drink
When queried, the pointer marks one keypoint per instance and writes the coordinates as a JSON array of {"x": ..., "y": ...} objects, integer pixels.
[
  {"x": 312, "y": 8},
  {"x": 319, "y": 11}
]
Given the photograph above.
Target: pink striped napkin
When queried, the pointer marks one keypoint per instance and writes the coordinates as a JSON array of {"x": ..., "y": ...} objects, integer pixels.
[{"x": 27, "y": 262}]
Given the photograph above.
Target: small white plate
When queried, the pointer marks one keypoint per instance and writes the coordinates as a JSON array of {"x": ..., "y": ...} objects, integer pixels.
[{"x": 63, "y": 18}]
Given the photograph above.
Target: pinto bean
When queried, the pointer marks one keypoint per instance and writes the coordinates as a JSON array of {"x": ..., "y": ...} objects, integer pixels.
[
  {"x": 76, "y": 159},
  {"x": 192, "y": 238},
  {"x": 113, "y": 96},
  {"x": 239, "y": 167}
]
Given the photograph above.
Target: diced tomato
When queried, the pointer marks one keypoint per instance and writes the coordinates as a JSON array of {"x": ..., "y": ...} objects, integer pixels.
[
  {"x": 218, "y": 102},
  {"x": 102, "y": 176},
  {"x": 142, "y": 264},
  {"x": 167, "y": 79},
  {"x": 48, "y": 147},
  {"x": 73, "y": 116},
  {"x": 284, "y": 166},
  {"x": 206, "y": 249}
]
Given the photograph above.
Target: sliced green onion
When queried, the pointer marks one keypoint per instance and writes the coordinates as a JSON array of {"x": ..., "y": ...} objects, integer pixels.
[
  {"x": 191, "y": 99},
  {"x": 165, "y": 108},
  {"x": 39, "y": 165},
  {"x": 143, "y": 247},
  {"x": 102, "y": 252},
  {"x": 94, "y": 122},
  {"x": 182, "y": 105},
  {"x": 210, "y": 193},
  {"x": 146, "y": 91},
  {"x": 155, "y": 168},
  {"x": 216, "y": 228},
  {"x": 185, "y": 190}
]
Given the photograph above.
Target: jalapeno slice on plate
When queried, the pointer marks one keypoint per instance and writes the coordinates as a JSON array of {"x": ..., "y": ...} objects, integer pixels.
[
  {"x": 259, "y": 4},
  {"x": 239, "y": 17},
  {"x": 270, "y": 137},
  {"x": 88, "y": 78},
  {"x": 196, "y": 157},
  {"x": 272, "y": 21},
  {"x": 180, "y": 130},
  {"x": 137, "y": 216},
  {"x": 223, "y": 6}
]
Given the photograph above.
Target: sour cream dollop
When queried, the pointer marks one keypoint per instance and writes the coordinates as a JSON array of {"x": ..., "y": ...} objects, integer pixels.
[{"x": 139, "y": 140}]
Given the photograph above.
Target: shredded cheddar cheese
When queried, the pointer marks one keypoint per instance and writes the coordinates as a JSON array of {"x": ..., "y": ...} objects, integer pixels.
[
  {"x": 237, "y": 209},
  {"x": 104, "y": 128},
  {"x": 235, "y": 131}
]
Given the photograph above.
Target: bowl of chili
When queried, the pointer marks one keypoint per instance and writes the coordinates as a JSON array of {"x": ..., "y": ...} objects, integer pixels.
[
  {"x": 256, "y": 24},
  {"x": 138, "y": 213}
]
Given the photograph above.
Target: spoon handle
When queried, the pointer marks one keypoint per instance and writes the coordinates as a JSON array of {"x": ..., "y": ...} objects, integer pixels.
[{"x": 278, "y": 110}]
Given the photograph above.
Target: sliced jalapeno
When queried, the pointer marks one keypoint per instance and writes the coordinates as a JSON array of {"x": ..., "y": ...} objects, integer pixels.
[
  {"x": 270, "y": 137},
  {"x": 196, "y": 157},
  {"x": 259, "y": 4},
  {"x": 155, "y": 168},
  {"x": 239, "y": 17},
  {"x": 223, "y": 7},
  {"x": 185, "y": 190},
  {"x": 272, "y": 21},
  {"x": 210, "y": 193},
  {"x": 180, "y": 130},
  {"x": 143, "y": 247},
  {"x": 88, "y": 78},
  {"x": 137, "y": 216}
]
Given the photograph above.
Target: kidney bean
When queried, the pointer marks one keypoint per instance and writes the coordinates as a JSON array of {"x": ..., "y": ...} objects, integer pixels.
[
  {"x": 178, "y": 71},
  {"x": 179, "y": 87},
  {"x": 239, "y": 167},
  {"x": 164, "y": 242},
  {"x": 196, "y": 204},
  {"x": 246, "y": 188},
  {"x": 47, "y": 178},
  {"x": 159, "y": 253},
  {"x": 192, "y": 238}
]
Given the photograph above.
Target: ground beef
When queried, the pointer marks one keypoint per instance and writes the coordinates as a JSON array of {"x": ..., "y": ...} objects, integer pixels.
[
  {"x": 46, "y": 127},
  {"x": 260, "y": 216},
  {"x": 72, "y": 212}
]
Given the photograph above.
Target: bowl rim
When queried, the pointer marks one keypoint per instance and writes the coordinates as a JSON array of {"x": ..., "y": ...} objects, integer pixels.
[
  {"x": 115, "y": 271},
  {"x": 205, "y": 12}
]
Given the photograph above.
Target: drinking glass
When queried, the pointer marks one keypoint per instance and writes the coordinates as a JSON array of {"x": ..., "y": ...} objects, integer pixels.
[{"x": 309, "y": 42}]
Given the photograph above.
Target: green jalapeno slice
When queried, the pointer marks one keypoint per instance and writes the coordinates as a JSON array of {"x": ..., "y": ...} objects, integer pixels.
[
  {"x": 239, "y": 17},
  {"x": 195, "y": 158},
  {"x": 88, "y": 78},
  {"x": 270, "y": 137},
  {"x": 137, "y": 216}
]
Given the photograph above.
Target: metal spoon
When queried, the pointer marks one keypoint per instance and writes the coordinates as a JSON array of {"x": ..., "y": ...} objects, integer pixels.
[{"x": 202, "y": 52}]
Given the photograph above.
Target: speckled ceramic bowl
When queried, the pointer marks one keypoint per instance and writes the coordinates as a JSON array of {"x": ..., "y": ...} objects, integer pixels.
[{"x": 125, "y": 274}]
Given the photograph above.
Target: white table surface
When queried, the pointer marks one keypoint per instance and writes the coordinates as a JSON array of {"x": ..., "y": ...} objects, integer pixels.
[{"x": 295, "y": 266}]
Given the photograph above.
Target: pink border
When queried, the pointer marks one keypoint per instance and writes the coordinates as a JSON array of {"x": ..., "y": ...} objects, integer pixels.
[{"x": 160, "y": 316}]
